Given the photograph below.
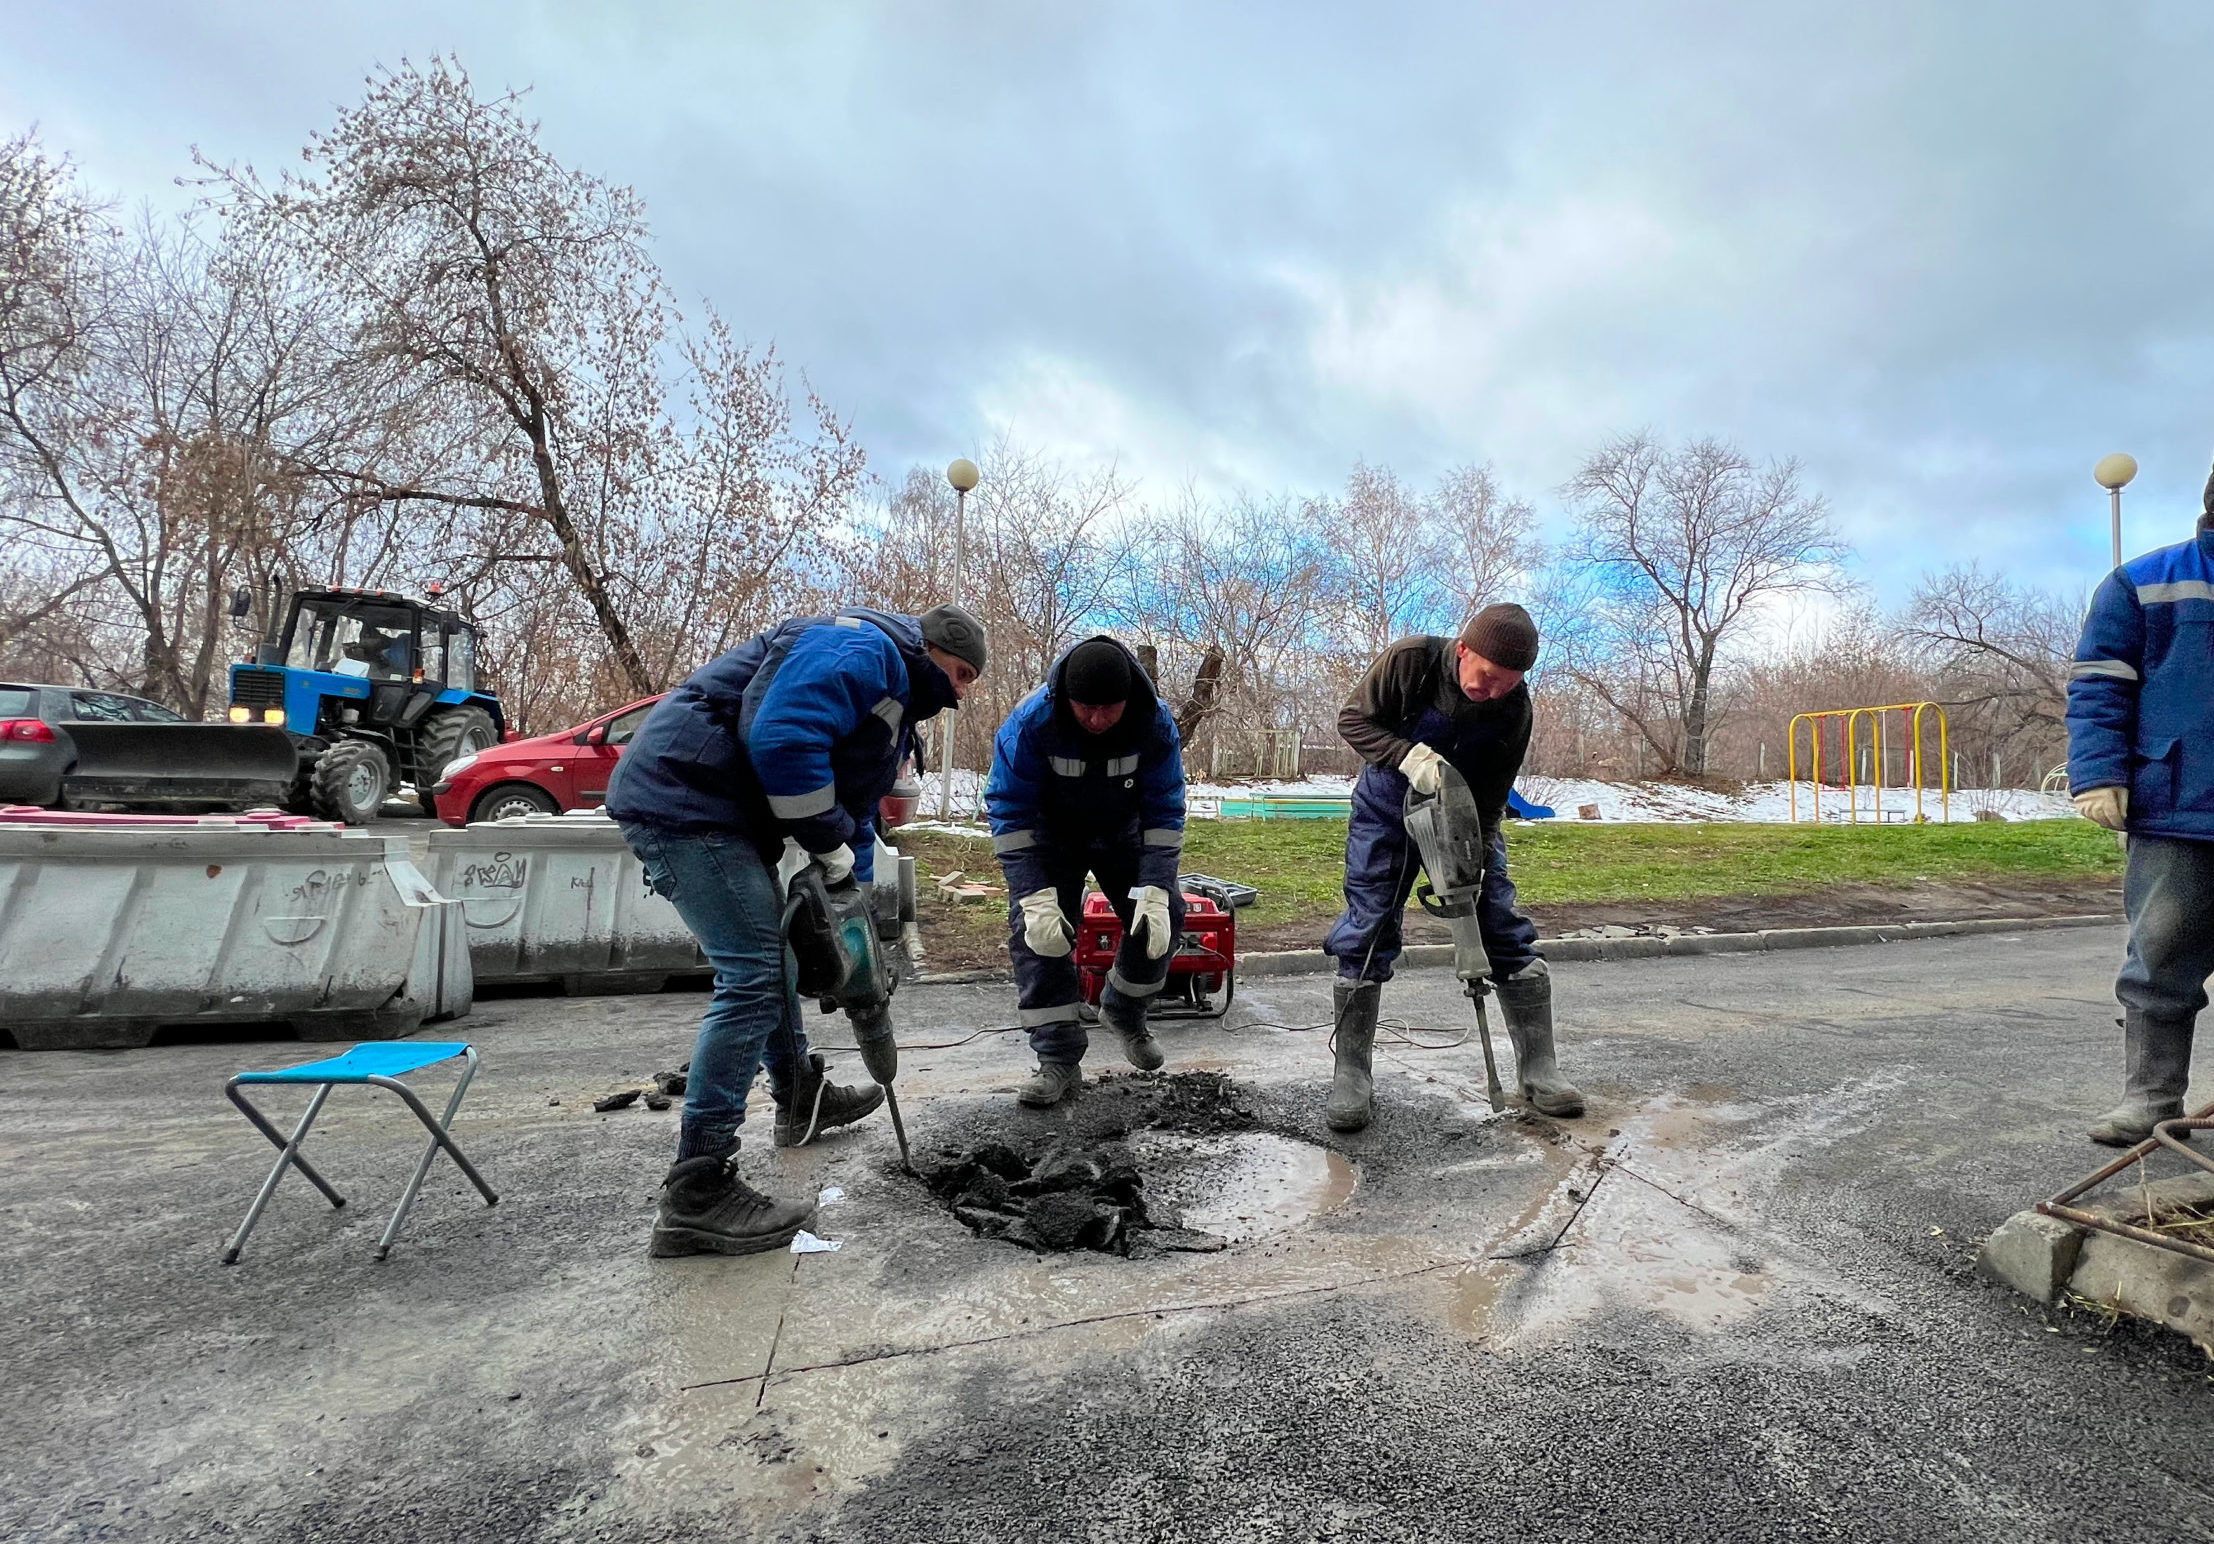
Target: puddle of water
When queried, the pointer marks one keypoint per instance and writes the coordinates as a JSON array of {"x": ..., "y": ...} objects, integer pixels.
[{"x": 1244, "y": 1185}]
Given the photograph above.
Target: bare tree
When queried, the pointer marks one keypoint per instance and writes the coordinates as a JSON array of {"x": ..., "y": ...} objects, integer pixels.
[
  {"x": 1690, "y": 544},
  {"x": 2001, "y": 654},
  {"x": 1487, "y": 544},
  {"x": 483, "y": 280},
  {"x": 1387, "y": 577}
]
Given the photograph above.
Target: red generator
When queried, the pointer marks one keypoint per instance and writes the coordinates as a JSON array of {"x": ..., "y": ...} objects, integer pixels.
[{"x": 1206, "y": 959}]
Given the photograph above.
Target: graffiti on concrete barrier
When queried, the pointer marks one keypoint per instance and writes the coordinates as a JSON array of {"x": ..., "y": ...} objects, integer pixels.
[{"x": 501, "y": 871}]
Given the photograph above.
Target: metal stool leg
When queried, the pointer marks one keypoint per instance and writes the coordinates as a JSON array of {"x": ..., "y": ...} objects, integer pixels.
[
  {"x": 439, "y": 1138},
  {"x": 286, "y": 1159}
]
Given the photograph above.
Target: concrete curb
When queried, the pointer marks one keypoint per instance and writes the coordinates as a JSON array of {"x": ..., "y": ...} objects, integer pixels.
[
  {"x": 1297, "y": 962},
  {"x": 1302, "y": 962}
]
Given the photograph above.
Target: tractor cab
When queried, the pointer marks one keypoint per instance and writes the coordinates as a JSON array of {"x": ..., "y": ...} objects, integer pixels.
[{"x": 377, "y": 688}]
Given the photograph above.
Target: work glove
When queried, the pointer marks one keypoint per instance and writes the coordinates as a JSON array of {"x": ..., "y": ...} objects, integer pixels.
[
  {"x": 1153, "y": 916},
  {"x": 2107, "y": 807},
  {"x": 1044, "y": 929},
  {"x": 1420, "y": 768},
  {"x": 837, "y": 864}
]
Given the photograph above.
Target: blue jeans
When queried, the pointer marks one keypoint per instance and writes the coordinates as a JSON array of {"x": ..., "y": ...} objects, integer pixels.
[
  {"x": 2168, "y": 891},
  {"x": 1381, "y": 866},
  {"x": 730, "y": 900}
]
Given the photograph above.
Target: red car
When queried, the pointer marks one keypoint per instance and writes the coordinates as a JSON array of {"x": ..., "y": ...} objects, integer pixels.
[{"x": 543, "y": 775}]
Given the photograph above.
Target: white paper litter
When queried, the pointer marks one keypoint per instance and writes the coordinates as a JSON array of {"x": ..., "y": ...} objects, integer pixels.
[
  {"x": 804, "y": 1242},
  {"x": 830, "y": 1194}
]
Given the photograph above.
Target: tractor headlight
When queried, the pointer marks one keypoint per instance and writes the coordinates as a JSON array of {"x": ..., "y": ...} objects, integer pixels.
[
  {"x": 459, "y": 763},
  {"x": 242, "y": 715},
  {"x": 274, "y": 716}
]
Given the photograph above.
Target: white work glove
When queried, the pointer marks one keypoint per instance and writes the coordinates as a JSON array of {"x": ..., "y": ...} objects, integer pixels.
[
  {"x": 837, "y": 864},
  {"x": 1044, "y": 929},
  {"x": 2106, "y": 807},
  {"x": 1153, "y": 916},
  {"x": 1420, "y": 768}
]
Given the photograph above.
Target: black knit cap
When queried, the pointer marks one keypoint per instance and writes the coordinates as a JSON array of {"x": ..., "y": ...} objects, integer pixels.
[
  {"x": 1503, "y": 634},
  {"x": 1097, "y": 673}
]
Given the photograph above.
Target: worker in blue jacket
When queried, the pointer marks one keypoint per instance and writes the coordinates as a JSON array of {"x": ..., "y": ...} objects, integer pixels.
[
  {"x": 797, "y": 733},
  {"x": 2141, "y": 760},
  {"x": 1088, "y": 778}
]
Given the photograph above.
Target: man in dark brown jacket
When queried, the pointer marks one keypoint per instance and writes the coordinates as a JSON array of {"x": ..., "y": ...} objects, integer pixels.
[{"x": 1428, "y": 702}]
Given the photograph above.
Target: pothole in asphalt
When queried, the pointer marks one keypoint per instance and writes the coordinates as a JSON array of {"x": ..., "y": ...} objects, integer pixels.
[{"x": 1146, "y": 1165}]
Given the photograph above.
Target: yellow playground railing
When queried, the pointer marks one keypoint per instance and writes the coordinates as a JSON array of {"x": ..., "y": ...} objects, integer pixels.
[{"x": 1911, "y": 725}]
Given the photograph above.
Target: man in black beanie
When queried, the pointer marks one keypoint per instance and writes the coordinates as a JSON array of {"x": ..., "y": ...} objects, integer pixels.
[
  {"x": 1427, "y": 703},
  {"x": 1088, "y": 779}
]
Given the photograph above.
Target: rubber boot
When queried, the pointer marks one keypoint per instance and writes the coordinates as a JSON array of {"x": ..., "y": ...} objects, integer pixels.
[
  {"x": 1353, "y": 1039},
  {"x": 1125, "y": 1015},
  {"x": 707, "y": 1209},
  {"x": 2157, "y": 1056},
  {"x": 1050, "y": 1084},
  {"x": 817, "y": 1104},
  {"x": 1526, "y": 1002}
]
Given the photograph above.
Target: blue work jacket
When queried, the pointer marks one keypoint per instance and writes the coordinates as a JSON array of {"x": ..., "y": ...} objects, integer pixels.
[
  {"x": 2141, "y": 691},
  {"x": 1057, "y": 792},
  {"x": 797, "y": 732}
]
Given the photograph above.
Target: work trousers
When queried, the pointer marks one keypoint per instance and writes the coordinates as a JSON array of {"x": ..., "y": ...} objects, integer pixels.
[
  {"x": 1381, "y": 865},
  {"x": 1047, "y": 989},
  {"x": 2168, "y": 891},
  {"x": 732, "y": 903}
]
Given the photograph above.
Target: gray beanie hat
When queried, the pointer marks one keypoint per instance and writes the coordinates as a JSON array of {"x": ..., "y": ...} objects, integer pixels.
[{"x": 956, "y": 632}]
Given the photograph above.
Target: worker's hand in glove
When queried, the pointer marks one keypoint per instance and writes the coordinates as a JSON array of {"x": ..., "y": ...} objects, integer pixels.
[
  {"x": 1044, "y": 929},
  {"x": 837, "y": 864},
  {"x": 2106, "y": 807},
  {"x": 1420, "y": 768},
  {"x": 1153, "y": 916}
]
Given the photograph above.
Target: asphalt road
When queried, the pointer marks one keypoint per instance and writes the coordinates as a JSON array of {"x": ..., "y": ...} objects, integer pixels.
[{"x": 1737, "y": 1301}]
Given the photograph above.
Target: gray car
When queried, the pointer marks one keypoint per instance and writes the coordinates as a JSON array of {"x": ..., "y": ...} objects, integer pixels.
[{"x": 74, "y": 747}]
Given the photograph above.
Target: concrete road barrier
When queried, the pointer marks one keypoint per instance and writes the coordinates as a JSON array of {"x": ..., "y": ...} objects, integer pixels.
[
  {"x": 561, "y": 898},
  {"x": 113, "y": 933}
]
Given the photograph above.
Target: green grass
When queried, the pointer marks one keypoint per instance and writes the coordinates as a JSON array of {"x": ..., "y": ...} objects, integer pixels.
[{"x": 1298, "y": 864}]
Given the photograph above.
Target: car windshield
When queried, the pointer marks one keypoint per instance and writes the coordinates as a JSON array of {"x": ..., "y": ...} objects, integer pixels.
[
  {"x": 15, "y": 701},
  {"x": 359, "y": 638}
]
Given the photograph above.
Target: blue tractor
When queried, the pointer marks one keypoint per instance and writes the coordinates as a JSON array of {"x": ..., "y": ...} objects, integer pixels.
[{"x": 376, "y": 689}]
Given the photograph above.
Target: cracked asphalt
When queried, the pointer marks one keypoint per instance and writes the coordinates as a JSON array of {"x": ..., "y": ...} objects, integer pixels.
[{"x": 1736, "y": 1301}]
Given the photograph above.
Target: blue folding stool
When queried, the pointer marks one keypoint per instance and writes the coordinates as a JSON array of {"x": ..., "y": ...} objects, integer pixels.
[{"x": 380, "y": 1063}]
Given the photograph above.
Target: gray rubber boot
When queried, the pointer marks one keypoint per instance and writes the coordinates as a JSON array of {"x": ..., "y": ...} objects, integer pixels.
[
  {"x": 1125, "y": 1015},
  {"x": 1526, "y": 1002},
  {"x": 817, "y": 1104},
  {"x": 2156, "y": 1054},
  {"x": 1050, "y": 1084},
  {"x": 707, "y": 1209},
  {"x": 1353, "y": 1039}
]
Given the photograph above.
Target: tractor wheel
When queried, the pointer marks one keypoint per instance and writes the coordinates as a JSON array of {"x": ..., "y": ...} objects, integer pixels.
[
  {"x": 299, "y": 799},
  {"x": 350, "y": 782},
  {"x": 448, "y": 735},
  {"x": 510, "y": 800}
]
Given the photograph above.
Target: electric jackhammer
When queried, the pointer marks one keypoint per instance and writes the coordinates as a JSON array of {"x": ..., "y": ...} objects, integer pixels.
[
  {"x": 842, "y": 963},
  {"x": 1449, "y": 835}
]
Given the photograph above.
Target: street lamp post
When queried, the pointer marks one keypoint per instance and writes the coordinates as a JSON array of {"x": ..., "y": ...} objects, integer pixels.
[
  {"x": 962, "y": 474},
  {"x": 2113, "y": 474}
]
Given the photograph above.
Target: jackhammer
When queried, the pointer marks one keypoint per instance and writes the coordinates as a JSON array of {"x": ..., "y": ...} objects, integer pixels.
[
  {"x": 843, "y": 963},
  {"x": 1449, "y": 835}
]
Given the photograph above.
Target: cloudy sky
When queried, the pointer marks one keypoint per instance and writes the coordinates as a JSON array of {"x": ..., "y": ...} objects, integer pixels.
[{"x": 1946, "y": 255}]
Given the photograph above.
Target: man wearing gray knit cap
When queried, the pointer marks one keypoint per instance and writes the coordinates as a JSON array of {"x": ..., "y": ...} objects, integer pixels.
[{"x": 1428, "y": 703}]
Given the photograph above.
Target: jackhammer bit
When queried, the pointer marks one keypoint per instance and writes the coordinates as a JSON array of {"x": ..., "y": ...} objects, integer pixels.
[
  {"x": 841, "y": 963},
  {"x": 1449, "y": 834}
]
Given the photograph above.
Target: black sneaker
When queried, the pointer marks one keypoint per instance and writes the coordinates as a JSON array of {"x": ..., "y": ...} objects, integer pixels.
[
  {"x": 818, "y": 1104},
  {"x": 707, "y": 1209}
]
